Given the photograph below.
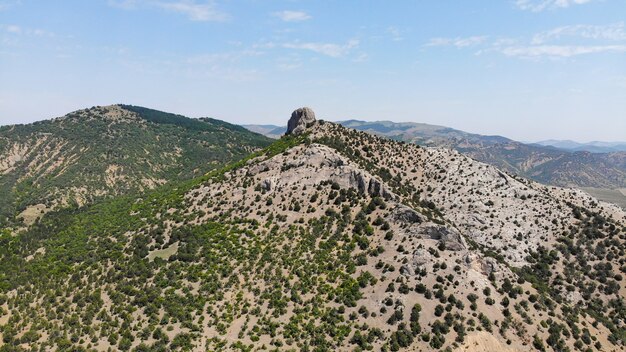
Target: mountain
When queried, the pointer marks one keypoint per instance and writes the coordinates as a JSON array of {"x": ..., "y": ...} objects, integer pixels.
[
  {"x": 544, "y": 164},
  {"x": 593, "y": 147},
  {"x": 270, "y": 131},
  {"x": 330, "y": 239},
  {"x": 104, "y": 151}
]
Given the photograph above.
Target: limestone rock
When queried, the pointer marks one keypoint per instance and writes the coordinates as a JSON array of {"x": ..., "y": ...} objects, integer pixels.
[
  {"x": 299, "y": 120},
  {"x": 403, "y": 214},
  {"x": 489, "y": 265},
  {"x": 483, "y": 265},
  {"x": 449, "y": 236},
  {"x": 419, "y": 259},
  {"x": 268, "y": 184},
  {"x": 367, "y": 184}
]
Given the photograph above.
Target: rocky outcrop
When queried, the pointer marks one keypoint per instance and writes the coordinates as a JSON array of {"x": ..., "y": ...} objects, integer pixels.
[
  {"x": 484, "y": 265},
  {"x": 404, "y": 214},
  {"x": 367, "y": 184},
  {"x": 489, "y": 265},
  {"x": 451, "y": 238},
  {"x": 315, "y": 164},
  {"x": 300, "y": 120},
  {"x": 414, "y": 224},
  {"x": 417, "y": 262},
  {"x": 268, "y": 184}
]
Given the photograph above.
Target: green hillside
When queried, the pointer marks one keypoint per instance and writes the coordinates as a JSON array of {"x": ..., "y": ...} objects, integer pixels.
[
  {"x": 103, "y": 151},
  {"x": 333, "y": 240}
]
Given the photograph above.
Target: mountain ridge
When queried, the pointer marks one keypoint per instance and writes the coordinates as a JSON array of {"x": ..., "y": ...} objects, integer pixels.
[
  {"x": 545, "y": 164},
  {"x": 105, "y": 151},
  {"x": 593, "y": 146},
  {"x": 333, "y": 239}
]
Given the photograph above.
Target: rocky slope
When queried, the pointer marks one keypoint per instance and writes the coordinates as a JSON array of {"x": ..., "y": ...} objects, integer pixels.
[
  {"x": 329, "y": 239},
  {"x": 544, "y": 164},
  {"x": 103, "y": 151}
]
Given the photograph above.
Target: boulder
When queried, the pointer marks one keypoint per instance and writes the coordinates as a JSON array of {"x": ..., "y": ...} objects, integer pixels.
[
  {"x": 403, "y": 214},
  {"x": 268, "y": 184},
  {"x": 489, "y": 265},
  {"x": 448, "y": 235},
  {"x": 418, "y": 261},
  {"x": 483, "y": 265},
  {"x": 300, "y": 120}
]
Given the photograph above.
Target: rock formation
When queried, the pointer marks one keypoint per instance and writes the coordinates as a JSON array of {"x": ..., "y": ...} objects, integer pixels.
[{"x": 299, "y": 120}]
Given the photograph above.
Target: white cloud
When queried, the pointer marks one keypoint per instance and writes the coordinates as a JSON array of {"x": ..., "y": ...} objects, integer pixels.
[
  {"x": 288, "y": 66},
  {"x": 396, "y": 33},
  {"x": 582, "y": 39},
  {"x": 194, "y": 10},
  {"x": 210, "y": 59},
  {"x": 458, "y": 42},
  {"x": 32, "y": 32},
  {"x": 328, "y": 49},
  {"x": 613, "y": 32},
  {"x": 362, "y": 57},
  {"x": 124, "y": 4},
  {"x": 5, "y": 4},
  {"x": 558, "y": 51},
  {"x": 292, "y": 16},
  {"x": 230, "y": 57},
  {"x": 14, "y": 29},
  {"x": 218, "y": 65},
  {"x": 540, "y": 5}
]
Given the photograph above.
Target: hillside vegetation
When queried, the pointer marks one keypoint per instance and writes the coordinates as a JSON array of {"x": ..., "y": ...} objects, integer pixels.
[
  {"x": 329, "y": 240},
  {"x": 105, "y": 151}
]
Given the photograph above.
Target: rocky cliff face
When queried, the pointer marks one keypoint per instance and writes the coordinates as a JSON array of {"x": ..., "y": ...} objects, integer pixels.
[{"x": 300, "y": 119}]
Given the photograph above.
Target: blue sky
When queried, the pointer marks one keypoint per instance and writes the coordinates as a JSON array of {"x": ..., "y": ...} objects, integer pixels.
[{"x": 525, "y": 69}]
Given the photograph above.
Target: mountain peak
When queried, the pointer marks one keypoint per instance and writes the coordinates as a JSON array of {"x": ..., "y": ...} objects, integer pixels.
[
  {"x": 397, "y": 247},
  {"x": 300, "y": 120},
  {"x": 114, "y": 113}
]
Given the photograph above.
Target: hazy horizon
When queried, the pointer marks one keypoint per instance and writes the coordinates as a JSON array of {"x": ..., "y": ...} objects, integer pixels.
[
  {"x": 356, "y": 119},
  {"x": 525, "y": 69}
]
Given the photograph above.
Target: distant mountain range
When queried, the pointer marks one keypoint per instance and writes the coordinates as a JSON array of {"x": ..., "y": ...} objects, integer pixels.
[
  {"x": 593, "y": 147},
  {"x": 271, "y": 131},
  {"x": 549, "y": 164}
]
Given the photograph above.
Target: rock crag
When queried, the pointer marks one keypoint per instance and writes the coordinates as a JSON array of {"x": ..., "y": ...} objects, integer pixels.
[{"x": 299, "y": 120}]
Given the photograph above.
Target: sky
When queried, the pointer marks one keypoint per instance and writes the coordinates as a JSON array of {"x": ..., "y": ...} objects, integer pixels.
[{"x": 525, "y": 69}]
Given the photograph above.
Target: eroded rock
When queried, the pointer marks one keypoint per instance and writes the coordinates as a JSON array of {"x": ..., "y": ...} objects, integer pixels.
[
  {"x": 450, "y": 237},
  {"x": 404, "y": 214},
  {"x": 419, "y": 259},
  {"x": 299, "y": 120}
]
